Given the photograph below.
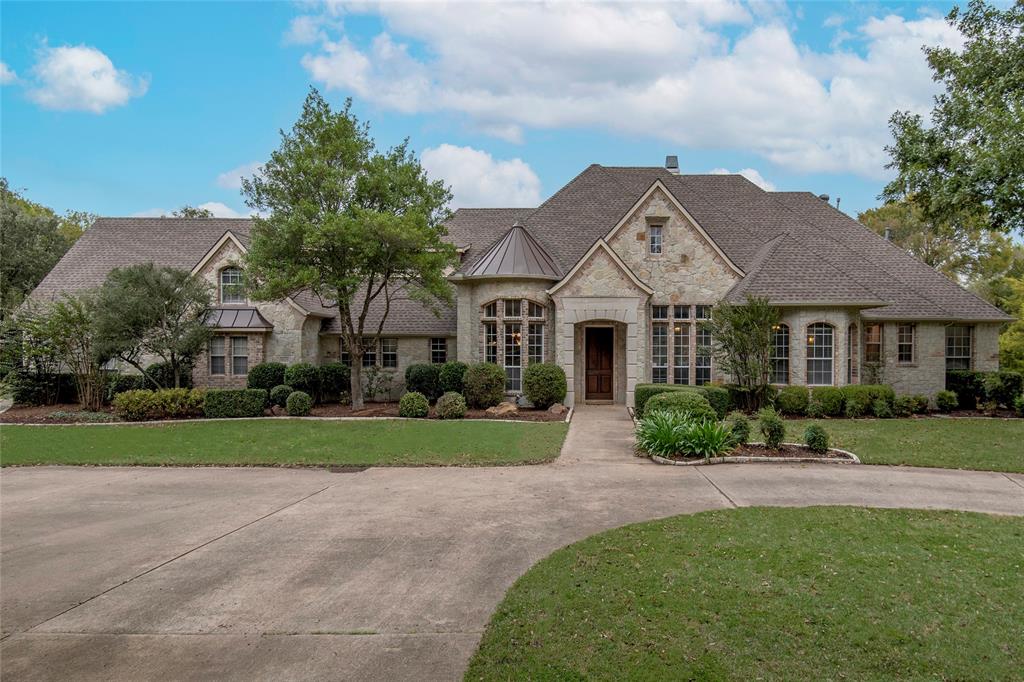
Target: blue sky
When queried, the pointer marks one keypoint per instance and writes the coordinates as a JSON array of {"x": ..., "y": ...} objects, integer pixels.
[{"x": 138, "y": 108}]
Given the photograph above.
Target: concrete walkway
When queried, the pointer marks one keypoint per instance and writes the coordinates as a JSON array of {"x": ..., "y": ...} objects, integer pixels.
[{"x": 260, "y": 574}]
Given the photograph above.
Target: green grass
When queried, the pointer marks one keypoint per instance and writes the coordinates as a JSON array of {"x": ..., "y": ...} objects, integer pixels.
[
  {"x": 286, "y": 442},
  {"x": 984, "y": 444},
  {"x": 823, "y": 593}
]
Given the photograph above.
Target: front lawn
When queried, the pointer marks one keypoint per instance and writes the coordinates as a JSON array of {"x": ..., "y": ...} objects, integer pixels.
[
  {"x": 823, "y": 593},
  {"x": 285, "y": 442},
  {"x": 986, "y": 444}
]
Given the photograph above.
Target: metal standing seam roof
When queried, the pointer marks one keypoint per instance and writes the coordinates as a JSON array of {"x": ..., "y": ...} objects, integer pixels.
[
  {"x": 237, "y": 318},
  {"x": 517, "y": 254}
]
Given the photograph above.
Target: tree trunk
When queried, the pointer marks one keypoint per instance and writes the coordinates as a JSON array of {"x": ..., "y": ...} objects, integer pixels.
[{"x": 356, "y": 383}]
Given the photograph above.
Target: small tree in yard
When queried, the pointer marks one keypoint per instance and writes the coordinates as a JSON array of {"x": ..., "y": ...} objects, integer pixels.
[
  {"x": 144, "y": 311},
  {"x": 355, "y": 226},
  {"x": 743, "y": 343}
]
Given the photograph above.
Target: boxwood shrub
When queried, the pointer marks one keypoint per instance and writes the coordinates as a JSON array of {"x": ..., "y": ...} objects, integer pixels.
[
  {"x": 793, "y": 400},
  {"x": 298, "y": 404},
  {"x": 903, "y": 406},
  {"x": 828, "y": 399},
  {"x": 279, "y": 394},
  {"x": 688, "y": 403},
  {"x": 413, "y": 404},
  {"x": 451, "y": 377},
  {"x": 717, "y": 396},
  {"x": 544, "y": 384},
  {"x": 235, "y": 402},
  {"x": 881, "y": 408},
  {"x": 166, "y": 403},
  {"x": 484, "y": 385},
  {"x": 266, "y": 375},
  {"x": 335, "y": 379},
  {"x": 740, "y": 427},
  {"x": 425, "y": 379},
  {"x": 302, "y": 376},
  {"x": 451, "y": 405},
  {"x": 816, "y": 438},
  {"x": 946, "y": 401},
  {"x": 773, "y": 429}
]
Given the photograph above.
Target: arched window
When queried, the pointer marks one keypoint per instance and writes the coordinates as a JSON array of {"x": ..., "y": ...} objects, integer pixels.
[
  {"x": 231, "y": 285},
  {"x": 508, "y": 325},
  {"x": 780, "y": 354},
  {"x": 820, "y": 354}
]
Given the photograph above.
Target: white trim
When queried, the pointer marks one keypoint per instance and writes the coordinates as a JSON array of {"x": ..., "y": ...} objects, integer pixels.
[
  {"x": 601, "y": 244},
  {"x": 686, "y": 214}
]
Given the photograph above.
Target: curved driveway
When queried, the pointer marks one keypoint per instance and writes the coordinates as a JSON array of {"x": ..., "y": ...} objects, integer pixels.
[{"x": 211, "y": 573}]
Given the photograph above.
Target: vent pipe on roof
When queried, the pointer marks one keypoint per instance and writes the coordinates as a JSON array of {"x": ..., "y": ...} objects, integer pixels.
[
  {"x": 823, "y": 197},
  {"x": 672, "y": 164},
  {"x": 888, "y": 234}
]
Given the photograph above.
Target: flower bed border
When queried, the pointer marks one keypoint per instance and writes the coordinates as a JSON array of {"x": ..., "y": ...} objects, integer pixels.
[{"x": 746, "y": 459}]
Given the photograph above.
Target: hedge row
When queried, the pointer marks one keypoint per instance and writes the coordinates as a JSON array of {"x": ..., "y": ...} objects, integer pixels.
[
  {"x": 973, "y": 388},
  {"x": 483, "y": 384},
  {"x": 324, "y": 383},
  {"x": 717, "y": 396}
]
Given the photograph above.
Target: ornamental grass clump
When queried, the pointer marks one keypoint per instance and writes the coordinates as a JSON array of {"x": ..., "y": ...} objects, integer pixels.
[
  {"x": 772, "y": 428},
  {"x": 816, "y": 438},
  {"x": 707, "y": 439},
  {"x": 661, "y": 433},
  {"x": 669, "y": 434}
]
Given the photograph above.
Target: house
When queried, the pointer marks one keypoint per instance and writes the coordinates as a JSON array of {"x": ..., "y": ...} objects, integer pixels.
[{"x": 609, "y": 278}]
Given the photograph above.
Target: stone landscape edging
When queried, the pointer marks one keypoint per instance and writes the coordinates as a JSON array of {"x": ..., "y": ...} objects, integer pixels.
[{"x": 747, "y": 459}]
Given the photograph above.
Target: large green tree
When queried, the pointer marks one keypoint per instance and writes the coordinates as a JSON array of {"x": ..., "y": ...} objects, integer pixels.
[
  {"x": 356, "y": 226},
  {"x": 966, "y": 249},
  {"x": 144, "y": 311},
  {"x": 188, "y": 211},
  {"x": 742, "y": 336},
  {"x": 970, "y": 157}
]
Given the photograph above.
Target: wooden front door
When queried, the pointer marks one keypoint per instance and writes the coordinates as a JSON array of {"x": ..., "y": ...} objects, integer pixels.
[{"x": 600, "y": 344}]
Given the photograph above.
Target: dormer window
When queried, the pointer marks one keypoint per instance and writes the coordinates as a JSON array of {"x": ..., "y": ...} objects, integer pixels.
[
  {"x": 231, "y": 286},
  {"x": 654, "y": 239}
]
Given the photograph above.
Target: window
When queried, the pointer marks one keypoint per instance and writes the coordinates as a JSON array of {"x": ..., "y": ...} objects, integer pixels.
[
  {"x": 231, "y": 286},
  {"x": 681, "y": 312},
  {"x": 491, "y": 342},
  {"x": 491, "y": 309},
  {"x": 239, "y": 355},
  {"x": 536, "y": 311},
  {"x": 343, "y": 355},
  {"x": 513, "y": 307},
  {"x": 369, "y": 353},
  {"x": 703, "y": 357},
  {"x": 819, "y": 354},
  {"x": 852, "y": 359},
  {"x": 659, "y": 353},
  {"x": 872, "y": 343},
  {"x": 958, "y": 346},
  {"x": 659, "y": 312},
  {"x": 513, "y": 356},
  {"x": 389, "y": 352},
  {"x": 703, "y": 312},
  {"x": 654, "y": 238},
  {"x": 780, "y": 354},
  {"x": 217, "y": 355},
  {"x": 439, "y": 350},
  {"x": 905, "y": 343},
  {"x": 681, "y": 353},
  {"x": 535, "y": 343}
]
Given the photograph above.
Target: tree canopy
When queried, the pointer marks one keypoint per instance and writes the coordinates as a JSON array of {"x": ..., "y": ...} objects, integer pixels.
[
  {"x": 969, "y": 159},
  {"x": 742, "y": 336},
  {"x": 188, "y": 211},
  {"x": 356, "y": 226}
]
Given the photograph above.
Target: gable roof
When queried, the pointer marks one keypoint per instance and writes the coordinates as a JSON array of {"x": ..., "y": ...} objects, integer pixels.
[
  {"x": 517, "y": 254},
  {"x": 602, "y": 245},
  {"x": 793, "y": 247}
]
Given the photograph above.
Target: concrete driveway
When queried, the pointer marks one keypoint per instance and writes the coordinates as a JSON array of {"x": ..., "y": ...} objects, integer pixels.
[{"x": 258, "y": 574}]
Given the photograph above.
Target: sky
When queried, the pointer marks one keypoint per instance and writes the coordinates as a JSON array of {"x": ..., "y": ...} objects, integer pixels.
[{"x": 138, "y": 108}]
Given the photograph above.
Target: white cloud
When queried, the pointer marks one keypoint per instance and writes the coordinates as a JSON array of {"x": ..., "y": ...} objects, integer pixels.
[
  {"x": 7, "y": 75},
  {"x": 152, "y": 213},
  {"x": 477, "y": 179},
  {"x": 750, "y": 174},
  {"x": 667, "y": 71},
  {"x": 82, "y": 78},
  {"x": 232, "y": 179}
]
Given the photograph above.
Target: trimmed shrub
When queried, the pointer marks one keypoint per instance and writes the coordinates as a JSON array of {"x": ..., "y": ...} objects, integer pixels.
[
  {"x": 717, "y": 396},
  {"x": 903, "y": 406},
  {"x": 451, "y": 376},
  {"x": 966, "y": 384},
  {"x": 166, "y": 403},
  {"x": 1018, "y": 405},
  {"x": 298, "y": 404},
  {"x": 279, "y": 394},
  {"x": 335, "y": 379},
  {"x": 881, "y": 409},
  {"x": 687, "y": 403},
  {"x": 31, "y": 388},
  {"x": 484, "y": 385},
  {"x": 424, "y": 379},
  {"x": 1001, "y": 387},
  {"x": 773, "y": 429},
  {"x": 816, "y": 438},
  {"x": 830, "y": 399},
  {"x": 544, "y": 384},
  {"x": 946, "y": 401},
  {"x": 644, "y": 392},
  {"x": 413, "y": 404},
  {"x": 451, "y": 405},
  {"x": 304, "y": 377},
  {"x": 793, "y": 400},
  {"x": 266, "y": 375},
  {"x": 740, "y": 427},
  {"x": 235, "y": 402},
  {"x": 919, "y": 403}
]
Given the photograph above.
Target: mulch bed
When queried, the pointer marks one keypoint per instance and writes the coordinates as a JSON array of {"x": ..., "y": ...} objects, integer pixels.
[
  {"x": 790, "y": 451},
  {"x": 391, "y": 410}
]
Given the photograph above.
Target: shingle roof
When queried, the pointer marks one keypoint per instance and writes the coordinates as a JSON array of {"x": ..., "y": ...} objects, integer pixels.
[
  {"x": 517, "y": 254},
  {"x": 406, "y": 317}
]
